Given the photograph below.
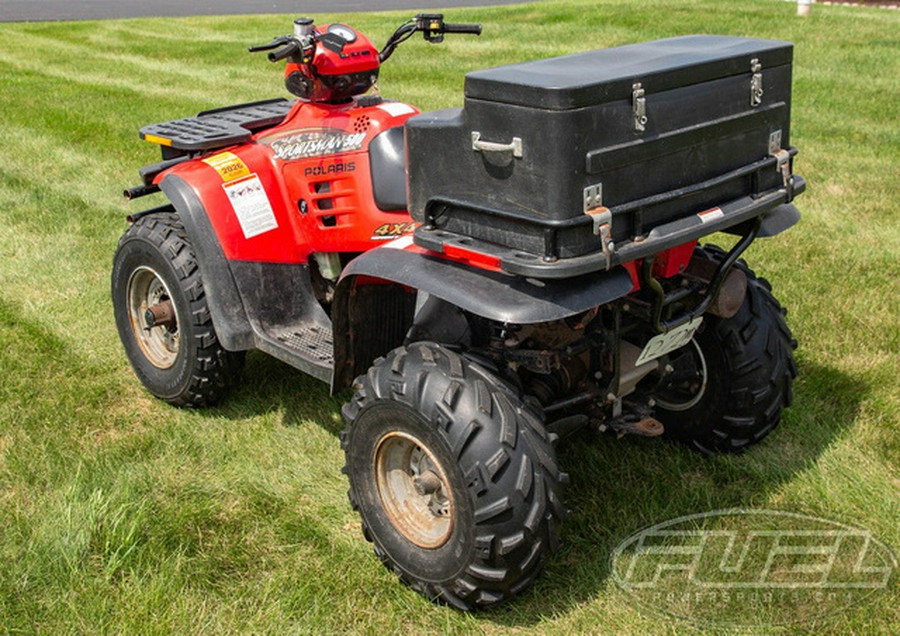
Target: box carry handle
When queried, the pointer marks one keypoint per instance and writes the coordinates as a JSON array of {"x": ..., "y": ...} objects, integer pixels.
[{"x": 515, "y": 146}]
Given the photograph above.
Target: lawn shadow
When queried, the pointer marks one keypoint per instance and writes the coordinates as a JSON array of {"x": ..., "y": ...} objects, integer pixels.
[
  {"x": 618, "y": 486},
  {"x": 270, "y": 385}
]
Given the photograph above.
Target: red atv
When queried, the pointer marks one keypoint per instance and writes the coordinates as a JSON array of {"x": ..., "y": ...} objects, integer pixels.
[{"x": 486, "y": 278}]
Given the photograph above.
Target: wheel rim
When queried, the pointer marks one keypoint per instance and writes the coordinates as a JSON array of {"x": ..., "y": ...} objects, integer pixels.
[
  {"x": 414, "y": 490},
  {"x": 158, "y": 342},
  {"x": 683, "y": 387}
]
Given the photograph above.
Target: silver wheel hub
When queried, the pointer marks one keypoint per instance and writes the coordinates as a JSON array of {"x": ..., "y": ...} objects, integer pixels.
[
  {"x": 413, "y": 489},
  {"x": 149, "y": 297}
]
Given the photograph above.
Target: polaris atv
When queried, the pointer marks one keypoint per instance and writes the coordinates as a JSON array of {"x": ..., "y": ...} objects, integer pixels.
[{"x": 485, "y": 278}]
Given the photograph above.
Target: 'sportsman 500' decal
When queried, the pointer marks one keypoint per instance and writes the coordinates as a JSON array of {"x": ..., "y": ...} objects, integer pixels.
[{"x": 313, "y": 143}]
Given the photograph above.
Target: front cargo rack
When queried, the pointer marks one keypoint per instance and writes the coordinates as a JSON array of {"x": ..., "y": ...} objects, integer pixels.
[{"x": 217, "y": 128}]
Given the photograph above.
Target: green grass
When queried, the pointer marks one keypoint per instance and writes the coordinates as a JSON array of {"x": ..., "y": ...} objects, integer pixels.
[{"x": 121, "y": 514}]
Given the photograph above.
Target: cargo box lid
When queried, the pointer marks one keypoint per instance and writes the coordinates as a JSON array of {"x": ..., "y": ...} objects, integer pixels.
[{"x": 583, "y": 79}]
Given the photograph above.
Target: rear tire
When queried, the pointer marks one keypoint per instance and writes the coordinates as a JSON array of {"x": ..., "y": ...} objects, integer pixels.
[
  {"x": 179, "y": 360},
  {"x": 454, "y": 477},
  {"x": 730, "y": 385}
]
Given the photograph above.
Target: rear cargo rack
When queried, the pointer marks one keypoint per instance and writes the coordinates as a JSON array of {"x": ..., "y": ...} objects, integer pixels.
[
  {"x": 644, "y": 242},
  {"x": 217, "y": 128}
]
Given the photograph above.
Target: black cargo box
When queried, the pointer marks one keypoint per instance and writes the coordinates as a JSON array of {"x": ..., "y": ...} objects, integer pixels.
[{"x": 630, "y": 143}]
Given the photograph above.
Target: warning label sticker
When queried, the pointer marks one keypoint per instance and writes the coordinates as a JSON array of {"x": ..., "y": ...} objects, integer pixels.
[
  {"x": 228, "y": 165},
  {"x": 251, "y": 206},
  {"x": 396, "y": 108}
]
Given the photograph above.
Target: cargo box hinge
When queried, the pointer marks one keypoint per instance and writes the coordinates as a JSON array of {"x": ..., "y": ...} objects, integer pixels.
[
  {"x": 756, "y": 83},
  {"x": 639, "y": 107}
]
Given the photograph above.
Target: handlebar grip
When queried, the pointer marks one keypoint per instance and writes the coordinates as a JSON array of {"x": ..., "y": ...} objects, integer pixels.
[
  {"x": 286, "y": 51},
  {"x": 474, "y": 29}
]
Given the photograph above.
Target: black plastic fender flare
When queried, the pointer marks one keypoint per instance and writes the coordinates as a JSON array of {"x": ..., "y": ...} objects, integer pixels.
[{"x": 491, "y": 294}]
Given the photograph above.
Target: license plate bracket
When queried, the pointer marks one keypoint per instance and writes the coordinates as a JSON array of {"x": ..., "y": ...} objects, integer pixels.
[{"x": 663, "y": 343}]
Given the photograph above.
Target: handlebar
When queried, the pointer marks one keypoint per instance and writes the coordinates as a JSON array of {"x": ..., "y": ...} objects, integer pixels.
[
  {"x": 301, "y": 44},
  {"x": 474, "y": 29},
  {"x": 284, "y": 46},
  {"x": 431, "y": 26},
  {"x": 274, "y": 44},
  {"x": 291, "y": 48}
]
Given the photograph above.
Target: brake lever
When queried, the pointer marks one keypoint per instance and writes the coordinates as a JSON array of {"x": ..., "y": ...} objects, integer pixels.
[{"x": 274, "y": 44}]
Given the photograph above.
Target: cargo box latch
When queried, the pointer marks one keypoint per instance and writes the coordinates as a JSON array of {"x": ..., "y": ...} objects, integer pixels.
[
  {"x": 756, "y": 83},
  {"x": 639, "y": 107},
  {"x": 601, "y": 218},
  {"x": 783, "y": 165},
  {"x": 782, "y": 162}
]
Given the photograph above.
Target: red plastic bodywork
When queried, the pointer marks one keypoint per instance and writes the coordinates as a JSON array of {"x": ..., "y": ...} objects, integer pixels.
[
  {"x": 355, "y": 57},
  {"x": 321, "y": 198},
  {"x": 673, "y": 261}
]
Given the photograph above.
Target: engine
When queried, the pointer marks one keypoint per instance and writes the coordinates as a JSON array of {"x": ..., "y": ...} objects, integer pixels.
[{"x": 574, "y": 368}]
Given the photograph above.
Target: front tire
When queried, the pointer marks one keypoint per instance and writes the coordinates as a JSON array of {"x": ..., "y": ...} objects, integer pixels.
[
  {"x": 727, "y": 388},
  {"x": 163, "y": 318},
  {"x": 454, "y": 477}
]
